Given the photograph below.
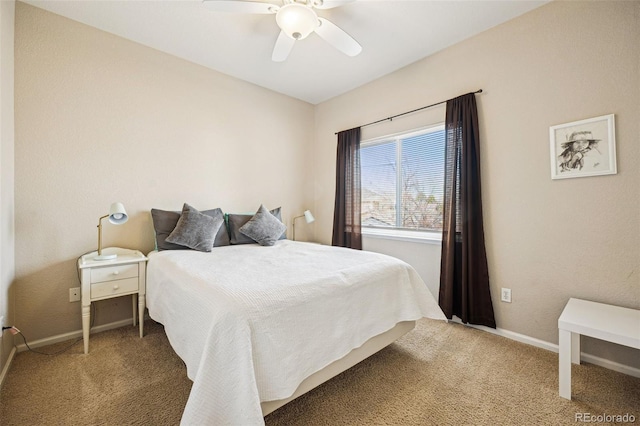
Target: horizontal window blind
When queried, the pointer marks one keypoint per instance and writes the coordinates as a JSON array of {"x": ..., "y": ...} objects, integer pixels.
[{"x": 403, "y": 181}]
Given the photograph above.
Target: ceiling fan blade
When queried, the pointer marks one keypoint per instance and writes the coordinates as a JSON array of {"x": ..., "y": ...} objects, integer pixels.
[
  {"x": 283, "y": 47},
  {"x": 336, "y": 37},
  {"x": 330, "y": 4},
  {"x": 235, "y": 6}
]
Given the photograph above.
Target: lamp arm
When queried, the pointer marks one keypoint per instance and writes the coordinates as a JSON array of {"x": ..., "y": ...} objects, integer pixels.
[
  {"x": 293, "y": 225},
  {"x": 100, "y": 234}
]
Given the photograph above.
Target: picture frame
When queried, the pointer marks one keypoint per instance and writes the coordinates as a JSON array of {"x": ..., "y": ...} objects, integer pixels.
[{"x": 583, "y": 148}]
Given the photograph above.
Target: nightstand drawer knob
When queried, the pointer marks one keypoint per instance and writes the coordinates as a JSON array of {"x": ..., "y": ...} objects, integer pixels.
[
  {"x": 115, "y": 287},
  {"x": 116, "y": 272}
]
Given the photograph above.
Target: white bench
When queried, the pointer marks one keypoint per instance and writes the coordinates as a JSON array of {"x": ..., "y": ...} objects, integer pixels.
[{"x": 599, "y": 320}]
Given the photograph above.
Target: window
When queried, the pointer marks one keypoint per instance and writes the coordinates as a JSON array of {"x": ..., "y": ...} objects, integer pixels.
[{"x": 403, "y": 182}]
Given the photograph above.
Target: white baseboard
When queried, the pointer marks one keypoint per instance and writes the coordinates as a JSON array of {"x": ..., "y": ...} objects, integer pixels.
[
  {"x": 74, "y": 334},
  {"x": 611, "y": 365},
  {"x": 5, "y": 369},
  {"x": 592, "y": 359}
]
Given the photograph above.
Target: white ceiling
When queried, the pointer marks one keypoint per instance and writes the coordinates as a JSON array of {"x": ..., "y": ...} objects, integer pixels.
[{"x": 393, "y": 34}]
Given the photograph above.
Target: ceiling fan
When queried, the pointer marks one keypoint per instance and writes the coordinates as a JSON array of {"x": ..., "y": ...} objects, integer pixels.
[{"x": 296, "y": 19}]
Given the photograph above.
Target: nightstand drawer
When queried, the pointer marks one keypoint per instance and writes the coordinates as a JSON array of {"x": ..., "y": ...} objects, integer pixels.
[
  {"x": 114, "y": 287},
  {"x": 110, "y": 273}
]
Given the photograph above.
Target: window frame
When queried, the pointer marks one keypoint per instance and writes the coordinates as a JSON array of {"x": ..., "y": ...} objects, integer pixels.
[{"x": 396, "y": 233}]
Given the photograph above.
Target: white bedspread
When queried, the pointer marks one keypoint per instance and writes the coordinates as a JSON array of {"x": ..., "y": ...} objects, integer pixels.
[{"x": 251, "y": 322}]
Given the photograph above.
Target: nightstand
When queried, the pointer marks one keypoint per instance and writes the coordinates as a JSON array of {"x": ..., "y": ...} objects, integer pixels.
[{"x": 104, "y": 279}]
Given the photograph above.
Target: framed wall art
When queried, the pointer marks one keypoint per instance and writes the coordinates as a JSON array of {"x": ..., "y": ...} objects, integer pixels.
[{"x": 583, "y": 148}]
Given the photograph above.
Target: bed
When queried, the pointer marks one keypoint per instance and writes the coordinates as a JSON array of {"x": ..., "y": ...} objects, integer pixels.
[{"x": 258, "y": 326}]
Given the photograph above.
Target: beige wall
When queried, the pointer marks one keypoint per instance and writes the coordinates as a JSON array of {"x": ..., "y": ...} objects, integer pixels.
[
  {"x": 546, "y": 240},
  {"x": 102, "y": 119},
  {"x": 7, "y": 236}
]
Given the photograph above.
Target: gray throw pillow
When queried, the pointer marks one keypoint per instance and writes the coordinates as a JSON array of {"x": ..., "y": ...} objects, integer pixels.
[
  {"x": 195, "y": 230},
  {"x": 263, "y": 227},
  {"x": 236, "y": 221},
  {"x": 165, "y": 221},
  {"x": 278, "y": 214}
]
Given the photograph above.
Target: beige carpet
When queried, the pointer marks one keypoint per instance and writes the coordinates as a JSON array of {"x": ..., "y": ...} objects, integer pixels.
[{"x": 439, "y": 374}]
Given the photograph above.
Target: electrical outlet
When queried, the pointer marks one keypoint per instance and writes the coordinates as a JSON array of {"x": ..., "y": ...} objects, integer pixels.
[
  {"x": 74, "y": 294},
  {"x": 505, "y": 295}
]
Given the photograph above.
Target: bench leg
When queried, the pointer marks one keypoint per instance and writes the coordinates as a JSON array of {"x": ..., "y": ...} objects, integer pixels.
[
  {"x": 565, "y": 357},
  {"x": 575, "y": 348}
]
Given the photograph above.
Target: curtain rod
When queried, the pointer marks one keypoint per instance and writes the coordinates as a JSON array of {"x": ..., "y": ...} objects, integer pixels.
[{"x": 409, "y": 112}]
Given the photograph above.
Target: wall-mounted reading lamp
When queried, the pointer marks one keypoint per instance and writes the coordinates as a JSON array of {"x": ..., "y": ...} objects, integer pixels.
[
  {"x": 117, "y": 215},
  {"x": 308, "y": 217}
]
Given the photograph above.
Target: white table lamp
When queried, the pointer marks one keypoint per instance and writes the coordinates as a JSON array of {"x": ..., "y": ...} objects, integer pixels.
[
  {"x": 117, "y": 215},
  {"x": 308, "y": 217}
]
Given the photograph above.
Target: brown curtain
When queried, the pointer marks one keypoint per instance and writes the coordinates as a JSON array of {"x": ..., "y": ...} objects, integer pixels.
[
  {"x": 346, "y": 215},
  {"x": 464, "y": 275}
]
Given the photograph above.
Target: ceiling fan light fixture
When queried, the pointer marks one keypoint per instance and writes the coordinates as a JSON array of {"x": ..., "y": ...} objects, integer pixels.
[{"x": 297, "y": 20}]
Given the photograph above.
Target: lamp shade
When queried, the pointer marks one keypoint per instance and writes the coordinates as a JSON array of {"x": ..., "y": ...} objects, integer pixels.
[
  {"x": 117, "y": 214},
  {"x": 297, "y": 20},
  {"x": 308, "y": 216}
]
